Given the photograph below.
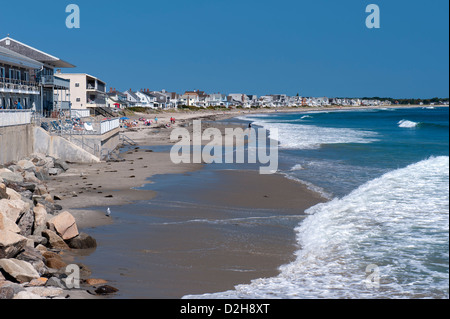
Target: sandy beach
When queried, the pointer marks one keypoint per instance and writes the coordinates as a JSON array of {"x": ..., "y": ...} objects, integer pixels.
[{"x": 181, "y": 229}]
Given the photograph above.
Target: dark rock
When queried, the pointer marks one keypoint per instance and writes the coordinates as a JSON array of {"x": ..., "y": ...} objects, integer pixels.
[
  {"x": 55, "y": 282},
  {"x": 3, "y": 194},
  {"x": 61, "y": 164},
  {"x": 106, "y": 290},
  {"x": 26, "y": 223},
  {"x": 83, "y": 241}
]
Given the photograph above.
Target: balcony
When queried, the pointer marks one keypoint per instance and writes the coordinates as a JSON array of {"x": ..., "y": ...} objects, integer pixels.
[
  {"x": 47, "y": 80},
  {"x": 18, "y": 86}
]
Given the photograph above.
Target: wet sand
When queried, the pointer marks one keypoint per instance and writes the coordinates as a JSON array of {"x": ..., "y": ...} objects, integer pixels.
[
  {"x": 188, "y": 241},
  {"x": 190, "y": 230}
]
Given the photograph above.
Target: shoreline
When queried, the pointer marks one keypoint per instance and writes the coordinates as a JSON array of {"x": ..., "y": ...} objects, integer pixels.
[
  {"x": 93, "y": 187},
  {"x": 87, "y": 190}
]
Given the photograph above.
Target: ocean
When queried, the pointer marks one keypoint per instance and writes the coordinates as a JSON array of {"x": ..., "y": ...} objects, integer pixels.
[{"x": 384, "y": 233}]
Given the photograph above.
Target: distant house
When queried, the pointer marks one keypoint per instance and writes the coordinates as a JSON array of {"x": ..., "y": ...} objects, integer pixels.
[
  {"x": 162, "y": 99},
  {"x": 132, "y": 98},
  {"x": 266, "y": 101},
  {"x": 190, "y": 98},
  {"x": 116, "y": 99},
  {"x": 146, "y": 99},
  {"x": 217, "y": 100}
]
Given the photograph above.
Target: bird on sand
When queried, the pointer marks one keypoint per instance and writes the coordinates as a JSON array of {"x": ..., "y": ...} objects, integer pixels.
[{"x": 108, "y": 212}]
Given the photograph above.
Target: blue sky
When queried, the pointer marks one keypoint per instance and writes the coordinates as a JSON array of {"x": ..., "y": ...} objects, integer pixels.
[{"x": 311, "y": 47}]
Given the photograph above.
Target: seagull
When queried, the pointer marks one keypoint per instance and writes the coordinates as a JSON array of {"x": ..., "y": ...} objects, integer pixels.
[{"x": 108, "y": 212}]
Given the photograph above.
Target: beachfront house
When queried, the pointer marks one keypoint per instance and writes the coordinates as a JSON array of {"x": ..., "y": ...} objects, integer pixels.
[
  {"x": 266, "y": 101},
  {"x": 217, "y": 100},
  {"x": 116, "y": 99},
  {"x": 190, "y": 98},
  {"x": 18, "y": 85},
  {"x": 132, "y": 98},
  {"x": 146, "y": 99},
  {"x": 162, "y": 99},
  {"x": 86, "y": 91},
  {"x": 50, "y": 86}
]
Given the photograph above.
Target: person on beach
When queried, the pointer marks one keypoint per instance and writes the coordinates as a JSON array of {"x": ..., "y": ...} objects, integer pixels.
[{"x": 156, "y": 120}]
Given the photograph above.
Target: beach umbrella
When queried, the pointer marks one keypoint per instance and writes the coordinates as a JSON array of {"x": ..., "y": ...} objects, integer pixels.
[{"x": 124, "y": 118}]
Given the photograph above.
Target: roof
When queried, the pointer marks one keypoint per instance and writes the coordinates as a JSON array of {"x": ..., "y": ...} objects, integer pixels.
[
  {"x": 16, "y": 58},
  {"x": 132, "y": 94},
  {"x": 33, "y": 53}
]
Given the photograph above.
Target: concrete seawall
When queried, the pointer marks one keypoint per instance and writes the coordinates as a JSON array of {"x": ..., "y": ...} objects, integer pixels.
[
  {"x": 60, "y": 148},
  {"x": 20, "y": 141},
  {"x": 16, "y": 142}
]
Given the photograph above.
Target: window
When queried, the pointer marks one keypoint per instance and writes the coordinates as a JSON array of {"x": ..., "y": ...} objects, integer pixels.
[
  {"x": 2, "y": 73},
  {"x": 78, "y": 99},
  {"x": 77, "y": 85}
]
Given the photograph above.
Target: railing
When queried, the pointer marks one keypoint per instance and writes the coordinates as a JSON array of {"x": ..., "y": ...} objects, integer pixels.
[
  {"x": 80, "y": 113},
  {"x": 18, "y": 86},
  {"x": 62, "y": 105},
  {"x": 15, "y": 117},
  {"x": 109, "y": 125},
  {"x": 47, "y": 79}
]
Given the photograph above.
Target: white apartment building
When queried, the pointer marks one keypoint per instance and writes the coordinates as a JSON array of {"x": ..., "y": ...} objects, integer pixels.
[{"x": 86, "y": 91}]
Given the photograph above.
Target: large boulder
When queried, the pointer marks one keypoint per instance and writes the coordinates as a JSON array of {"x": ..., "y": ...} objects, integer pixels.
[
  {"x": 11, "y": 244},
  {"x": 20, "y": 270},
  {"x": 7, "y": 224},
  {"x": 83, "y": 241},
  {"x": 13, "y": 209},
  {"x": 61, "y": 164},
  {"x": 54, "y": 241},
  {"x": 13, "y": 195},
  {"x": 26, "y": 165},
  {"x": 10, "y": 177},
  {"x": 40, "y": 216},
  {"x": 34, "y": 257},
  {"x": 65, "y": 225}
]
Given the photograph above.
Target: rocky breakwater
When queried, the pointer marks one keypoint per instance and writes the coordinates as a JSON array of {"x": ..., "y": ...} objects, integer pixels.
[{"x": 34, "y": 235}]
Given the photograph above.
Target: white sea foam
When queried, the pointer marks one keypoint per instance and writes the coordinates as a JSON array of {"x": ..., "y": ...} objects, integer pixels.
[
  {"x": 297, "y": 167},
  {"x": 399, "y": 222},
  {"x": 407, "y": 124},
  {"x": 297, "y": 136}
]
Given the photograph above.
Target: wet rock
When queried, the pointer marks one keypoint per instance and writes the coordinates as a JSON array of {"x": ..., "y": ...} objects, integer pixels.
[
  {"x": 106, "y": 290},
  {"x": 83, "y": 241}
]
